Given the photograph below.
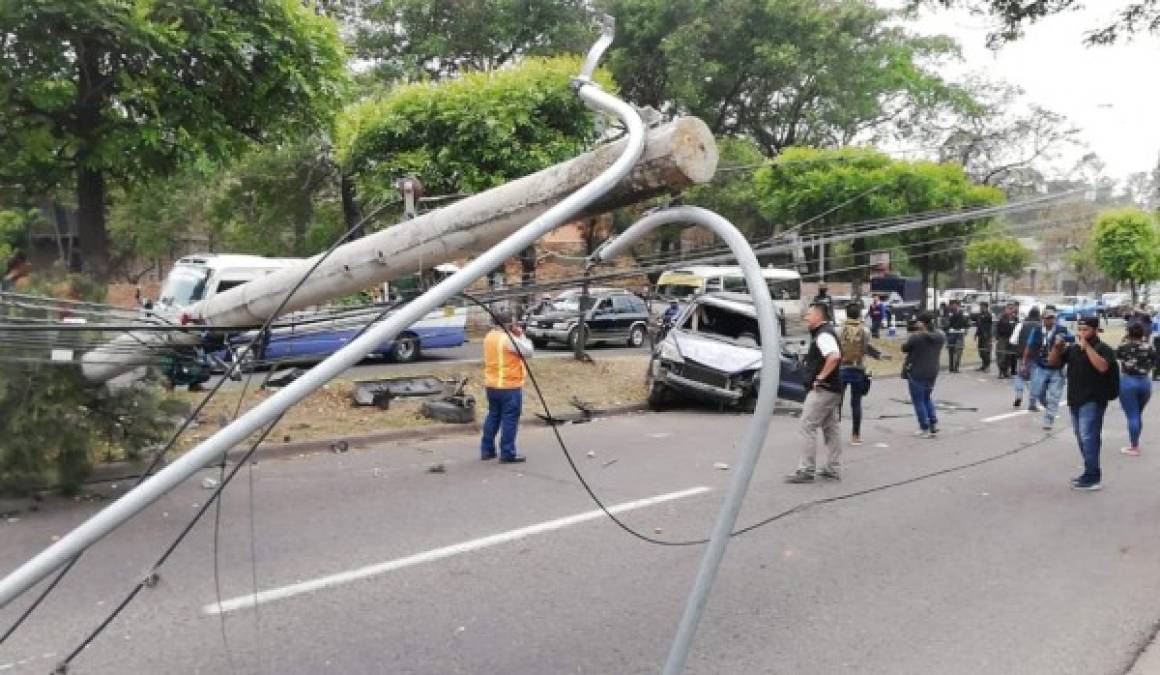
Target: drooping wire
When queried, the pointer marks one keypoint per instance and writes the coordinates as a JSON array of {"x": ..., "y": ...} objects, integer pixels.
[
  {"x": 748, "y": 528},
  {"x": 160, "y": 453},
  {"x": 153, "y": 577}
]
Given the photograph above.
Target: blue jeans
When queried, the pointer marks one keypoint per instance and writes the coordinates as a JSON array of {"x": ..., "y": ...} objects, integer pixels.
[
  {"x": 1047, "y": 388},
  {"x": 853, "y": 379},
  {"x": 503, "y": 416},
  {"x": 1017, "y": 380},
  {"x": 1135, "y": 390},
  {"x": 920, "y": 396},
  {"x": 1088, "y": 422}
]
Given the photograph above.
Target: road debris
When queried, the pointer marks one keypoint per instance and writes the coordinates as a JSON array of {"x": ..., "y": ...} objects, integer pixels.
[
  {"x": 721, "y": 466},
  {"x": 437, "y": 467},
  {"x": 210, "y": 483}
]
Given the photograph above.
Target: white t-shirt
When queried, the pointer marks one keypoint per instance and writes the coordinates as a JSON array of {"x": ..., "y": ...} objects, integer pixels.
[{"x": 827, "y": 344}]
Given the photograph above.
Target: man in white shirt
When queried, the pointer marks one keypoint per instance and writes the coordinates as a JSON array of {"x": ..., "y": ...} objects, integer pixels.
[{"x": 823, "y": 403}]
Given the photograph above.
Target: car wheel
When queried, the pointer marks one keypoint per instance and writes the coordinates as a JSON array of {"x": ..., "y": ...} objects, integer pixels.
[
  {"x": 574, "y": 337},
  {"x": 539, "y": 344},
  {"x": 658, "y": 397},
  {"x": 636, "y": 336},
  {"x": 406, "y": 349}
]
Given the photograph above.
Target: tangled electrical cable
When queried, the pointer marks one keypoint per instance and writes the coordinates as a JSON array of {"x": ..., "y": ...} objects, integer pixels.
[
  {"x": 159, "y": 454},
  {"x": 761, "y": 523}
]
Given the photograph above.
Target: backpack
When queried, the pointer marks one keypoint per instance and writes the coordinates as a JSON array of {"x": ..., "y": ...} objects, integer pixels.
[{"x": 852, "y": 342}]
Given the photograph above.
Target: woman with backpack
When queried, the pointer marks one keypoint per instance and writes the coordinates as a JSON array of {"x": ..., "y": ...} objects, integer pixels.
[
  {"x": 1137, "y": 359},
  {"x": 854, "y": 341}
]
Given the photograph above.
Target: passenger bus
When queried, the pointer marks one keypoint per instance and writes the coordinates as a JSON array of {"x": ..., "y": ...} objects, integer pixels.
[{"x": 785, "y": 286}]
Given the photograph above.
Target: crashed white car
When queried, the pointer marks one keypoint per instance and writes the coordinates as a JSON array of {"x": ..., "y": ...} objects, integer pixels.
[{"x": 713, "y": 353}]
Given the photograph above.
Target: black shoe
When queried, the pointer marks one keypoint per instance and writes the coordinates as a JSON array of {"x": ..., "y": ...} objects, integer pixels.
[
  {"x": 487, "y": 457},
  {"x": 933, "y": 431},
  {"x": 1018, "y": 402},
  {"x": 1086, "y": 484},
  {"x": 514, "y": 459},
  {"x": 1032, "y": 408},
  {"x": 829, "y": 474},
  {"x": 800, "y": 477}
]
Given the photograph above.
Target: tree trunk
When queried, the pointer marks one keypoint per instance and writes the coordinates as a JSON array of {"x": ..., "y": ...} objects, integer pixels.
[
  {"x": 1132, "y": 285},
  {"x": 94, "y": 238},
  {"x": 351, "y": 213}
]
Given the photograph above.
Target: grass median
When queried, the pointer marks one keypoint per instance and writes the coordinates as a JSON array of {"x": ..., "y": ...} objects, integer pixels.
[{"x": 608, "y": 382}]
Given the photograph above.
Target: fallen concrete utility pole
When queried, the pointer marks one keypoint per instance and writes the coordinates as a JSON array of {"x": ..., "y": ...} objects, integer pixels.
[
  {"x": 750, "y": 449},
  {"x": 580, "y": 200},
  {"x": 677, "y": 154}
]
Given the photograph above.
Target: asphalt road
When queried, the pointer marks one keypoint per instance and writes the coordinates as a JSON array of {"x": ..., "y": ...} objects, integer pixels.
[{"x": 368, "y": 563}]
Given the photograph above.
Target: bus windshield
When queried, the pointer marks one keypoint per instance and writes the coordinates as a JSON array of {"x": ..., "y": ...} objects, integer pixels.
[{"x": 184, "y": 286}]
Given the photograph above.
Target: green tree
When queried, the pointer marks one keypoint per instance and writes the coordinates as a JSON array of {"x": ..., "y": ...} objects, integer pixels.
[
  {"x": 997, "y": 258},
  {"x": 829, "y": 188},
  {"x": 101, "y": 92},
  {"x": 467, "y": 134},
  {"x": 782, "y": 72},
  {"x": 1127, "y": 247},
  {"x": 1130, "y": 17},
  {"x": 417, "y": 39}
]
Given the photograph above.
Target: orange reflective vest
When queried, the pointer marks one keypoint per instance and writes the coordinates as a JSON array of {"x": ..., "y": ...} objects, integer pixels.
[{"x": 502, "y": 367}]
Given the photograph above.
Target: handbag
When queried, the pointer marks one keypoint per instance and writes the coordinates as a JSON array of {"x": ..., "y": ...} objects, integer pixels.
[{"x": 864, "y": 385}]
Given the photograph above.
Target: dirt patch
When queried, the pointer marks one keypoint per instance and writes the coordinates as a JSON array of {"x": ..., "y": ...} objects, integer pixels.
[{"x": 329, "y": 413}]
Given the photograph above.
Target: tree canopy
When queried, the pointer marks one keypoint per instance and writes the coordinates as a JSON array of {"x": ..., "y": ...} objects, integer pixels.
[
  {"x": 466, "y": 134},
  {"x": 436, "y": 38},
  {"x": 1126, "y": 244},
  {"x": 783, "y": 72},
  {"x": 997, "y": 257},
  {"x": 1130, "y": 17},
  {"x": 851, "y": 185},
  {"x": 100, "y": 91}
]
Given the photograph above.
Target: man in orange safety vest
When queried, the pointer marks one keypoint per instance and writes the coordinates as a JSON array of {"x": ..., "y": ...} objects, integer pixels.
[{"x": 503, "y": 378}]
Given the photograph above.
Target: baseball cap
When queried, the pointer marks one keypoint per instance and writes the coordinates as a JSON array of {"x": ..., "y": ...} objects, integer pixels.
[
  {"x": 1091, "y": 322},
  {"x": 1049, "y": 311}
]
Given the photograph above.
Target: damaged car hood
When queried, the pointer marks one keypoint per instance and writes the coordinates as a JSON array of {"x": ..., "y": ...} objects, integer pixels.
[{"x": 716, "y": 354}]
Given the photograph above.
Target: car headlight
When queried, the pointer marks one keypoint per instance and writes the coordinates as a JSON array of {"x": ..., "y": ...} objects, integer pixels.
[
  {"x": 560, "y": 325},
  {"x": 669, "y": 352}
]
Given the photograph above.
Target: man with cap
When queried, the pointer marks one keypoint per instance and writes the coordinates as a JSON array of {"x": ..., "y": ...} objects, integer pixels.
[
  {"x": 1046, "y": 379},
  {"x": 503, "y": 380},
  {"x": 1093, "y": 380}
]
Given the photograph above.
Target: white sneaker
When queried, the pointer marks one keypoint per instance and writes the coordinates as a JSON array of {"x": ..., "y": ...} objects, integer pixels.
[{"x": 922, "y": 433}]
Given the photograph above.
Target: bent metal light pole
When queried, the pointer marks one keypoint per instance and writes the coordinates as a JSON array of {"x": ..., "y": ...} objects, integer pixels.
[
  {"x": 211, "y": 450},
  {"x": 754, "y": 439}
]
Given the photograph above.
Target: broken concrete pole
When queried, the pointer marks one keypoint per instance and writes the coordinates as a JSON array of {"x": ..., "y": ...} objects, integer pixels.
[{"x": 677, "y": 154}]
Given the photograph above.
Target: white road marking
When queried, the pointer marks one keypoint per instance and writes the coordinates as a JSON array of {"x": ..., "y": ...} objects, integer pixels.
[
  {"x": 377, "y": 569},
  {"x": 1004, "y": 416}
]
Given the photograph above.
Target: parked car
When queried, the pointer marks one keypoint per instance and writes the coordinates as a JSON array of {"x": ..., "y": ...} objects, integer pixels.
[
  {"x": 307, "y": 337},
  {"x": 1074, "y": 308},
  {"x": 1116, "y": 304},
  {"x": 713, "y": 353},
  {"x": 610, "y": 315}
]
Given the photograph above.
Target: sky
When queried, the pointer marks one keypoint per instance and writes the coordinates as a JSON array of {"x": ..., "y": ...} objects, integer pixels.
[{"x": 1111, "y": 93}]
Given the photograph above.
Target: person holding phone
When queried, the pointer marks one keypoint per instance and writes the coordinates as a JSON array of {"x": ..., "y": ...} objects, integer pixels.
[{"x": 1093, "y": 380}]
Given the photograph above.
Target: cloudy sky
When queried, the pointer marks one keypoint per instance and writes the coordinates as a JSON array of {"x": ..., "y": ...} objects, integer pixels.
[{"x": 1111, "y": 93}]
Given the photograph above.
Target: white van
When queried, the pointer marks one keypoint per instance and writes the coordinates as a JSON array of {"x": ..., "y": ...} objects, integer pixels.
[
  {"x": 197, "y": 277},
  {"x": 785, "y": 286}
]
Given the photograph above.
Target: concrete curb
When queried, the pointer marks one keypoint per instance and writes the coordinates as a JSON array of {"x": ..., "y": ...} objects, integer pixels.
[{"x": 118, "y": 471}]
